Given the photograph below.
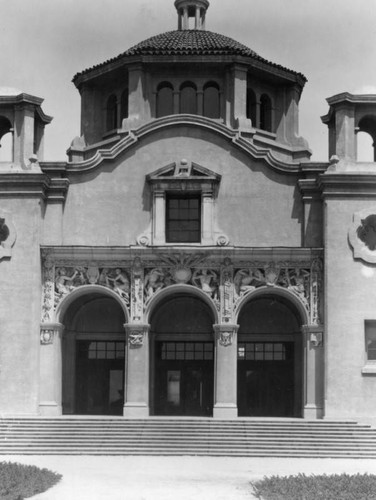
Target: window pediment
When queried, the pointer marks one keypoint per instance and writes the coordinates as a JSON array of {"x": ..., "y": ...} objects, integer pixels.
[{"x": 183, "y": 175}]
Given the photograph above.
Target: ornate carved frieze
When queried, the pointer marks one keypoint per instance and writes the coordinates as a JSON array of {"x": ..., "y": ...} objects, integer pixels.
[{"x": 224, "y": 281}]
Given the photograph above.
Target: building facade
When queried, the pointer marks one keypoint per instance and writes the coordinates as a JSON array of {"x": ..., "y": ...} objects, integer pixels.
[{"x": 188, "y": 259}]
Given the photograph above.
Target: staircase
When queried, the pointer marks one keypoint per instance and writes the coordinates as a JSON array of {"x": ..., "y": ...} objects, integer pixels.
[{"x": 186, "y": 436}]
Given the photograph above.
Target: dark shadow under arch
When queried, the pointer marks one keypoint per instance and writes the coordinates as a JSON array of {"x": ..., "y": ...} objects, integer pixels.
[
  {"x": 93, "y": 355},
  {"x": 270, "y": 358},
  {"x": 182, "y": 357}
]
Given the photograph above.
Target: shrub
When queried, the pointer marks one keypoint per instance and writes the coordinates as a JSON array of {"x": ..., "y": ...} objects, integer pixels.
[
  {"x": 302, "y": 487},
  {"x": 19, "y": 481}
]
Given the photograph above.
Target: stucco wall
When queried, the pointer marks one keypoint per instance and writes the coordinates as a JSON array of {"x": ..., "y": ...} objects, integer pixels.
[
  {"x": 350, "y": 299},
  {"x": 20, "y": 309},
  {"x": 256, "y": 206}
]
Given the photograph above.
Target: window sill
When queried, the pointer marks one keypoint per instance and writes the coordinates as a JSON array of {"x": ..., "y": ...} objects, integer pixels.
[{"x": 369, "y": 369}]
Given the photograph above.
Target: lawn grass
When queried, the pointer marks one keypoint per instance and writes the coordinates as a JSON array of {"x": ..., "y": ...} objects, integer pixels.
[
  {"x": 324, "y": 487},
  {"x": 19, "y": 481}
]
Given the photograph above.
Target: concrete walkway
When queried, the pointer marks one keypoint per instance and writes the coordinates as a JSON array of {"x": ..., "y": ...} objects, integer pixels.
[{"x": 172, "y": 478}]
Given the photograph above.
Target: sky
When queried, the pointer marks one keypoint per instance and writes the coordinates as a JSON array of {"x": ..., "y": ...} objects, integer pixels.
[{"x": 44, "y": 43}]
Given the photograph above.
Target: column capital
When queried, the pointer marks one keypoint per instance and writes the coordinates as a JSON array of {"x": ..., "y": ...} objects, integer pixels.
[
  {"x": 136, "y": 333},
  {"x": 48, "y": 331},
  {"x": 314, "y": 334},
  {"x": 225, "y": 334}
]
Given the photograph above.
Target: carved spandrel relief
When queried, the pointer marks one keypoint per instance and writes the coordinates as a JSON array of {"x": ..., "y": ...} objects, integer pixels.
[
  {"x": 296, "y": 279},
  {"x": 68, "y": 279}
]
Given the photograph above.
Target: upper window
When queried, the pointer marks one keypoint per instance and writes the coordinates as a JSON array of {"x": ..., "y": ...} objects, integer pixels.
[
  {"x": 188, "y": 98},
  {"x": 211, "y": 100},
  {"x": 370, "y": 344},
  {"x": 165, "y": 99},
  {"x": 124, "y": 110},
  {"x": 251, "y": 106},
  {"x": 265, "y": 113},
  {"x": 183, "y": 218},
  {"x": 112, "y": 116}
]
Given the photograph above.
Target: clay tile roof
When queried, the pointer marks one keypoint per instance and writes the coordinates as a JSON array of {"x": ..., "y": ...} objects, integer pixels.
[{"x": 189, "y": 42}]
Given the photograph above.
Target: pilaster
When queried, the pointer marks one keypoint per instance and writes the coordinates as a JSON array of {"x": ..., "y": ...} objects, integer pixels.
[
  {"x": 314, "y": 383},
  {"x": 136, "y": 398},
  {"x": 50, "y": 374},
  {"x": 225, "y": 392}
]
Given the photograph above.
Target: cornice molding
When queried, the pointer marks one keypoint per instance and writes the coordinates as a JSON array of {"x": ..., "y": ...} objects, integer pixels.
[
  {"x": 350, "y": 185},
  {"x": 233, "y": 136},
  {"x": 32, "y": 185}
]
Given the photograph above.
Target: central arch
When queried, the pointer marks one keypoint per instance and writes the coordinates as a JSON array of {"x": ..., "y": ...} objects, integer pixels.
[
  {"x": 182, "y": 356},
  {"x": 270, "y": 357}
]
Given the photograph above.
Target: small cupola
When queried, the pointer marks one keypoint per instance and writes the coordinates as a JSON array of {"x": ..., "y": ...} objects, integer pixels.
[{"x": 191, "y": 9}]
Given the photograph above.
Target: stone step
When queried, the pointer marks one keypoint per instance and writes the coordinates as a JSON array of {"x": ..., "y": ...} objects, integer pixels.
[{"x": 118, "y": 436}]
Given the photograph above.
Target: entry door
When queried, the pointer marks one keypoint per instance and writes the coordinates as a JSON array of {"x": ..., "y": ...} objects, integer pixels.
[
  {"x": 266, "y": 379},
  {"x": 184, "y": 378},
  {"x": 100, "y": 378}
]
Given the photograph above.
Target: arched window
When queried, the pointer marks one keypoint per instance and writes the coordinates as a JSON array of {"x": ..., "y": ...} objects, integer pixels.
[
  {"x": 6, "y": 140},
  {"x": 211, "y": 100},
  {"x": 251, "y": 106},
  {"x": 112, "y": 118},
  {"x": 266, "y": 113},
  {"x": 188, "y": 98},
  {"x": 165, "y": 99},
  {"x": 366, "y": 138},
  {"x": 124, "y": 110}
]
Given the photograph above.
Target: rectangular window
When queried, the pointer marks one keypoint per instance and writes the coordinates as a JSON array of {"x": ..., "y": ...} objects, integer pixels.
[
  {"x": 263, "y": 351},
  {"x": 183, "y": 218},
  {"x": 370, "y": 346},
  {"x": 186, "y": 351}
]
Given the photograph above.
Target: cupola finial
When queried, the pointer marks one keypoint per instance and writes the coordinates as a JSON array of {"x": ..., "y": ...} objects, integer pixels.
[{"x": 195, "y": 9}]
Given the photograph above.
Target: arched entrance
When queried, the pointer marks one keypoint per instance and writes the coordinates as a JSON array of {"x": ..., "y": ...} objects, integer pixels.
[
  {"x": 182, "y": 357},
  {"x": 93, "y": 356},
  {"x": 270, "y": 358}
]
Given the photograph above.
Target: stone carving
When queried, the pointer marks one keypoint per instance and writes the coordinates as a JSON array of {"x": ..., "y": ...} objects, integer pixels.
[
  {"x": 222, "y": 240},
  {"x": 225, "y": 337},
  {"x": 227, "y": 291},
  {"x": 367, "y": 231},
  {"x": 143, "y": 240},
  {"x": 154, "y": 281},
  {"x": 4, "y": 230},
  {"x": 298, "y": 283},
  {"x": 7, "y": 237},
  {"x": 207, "y": 280},
  {"x": 136, "y": 338},
  {"x": 48, "y": 290},
  {"x": 315, "y": 339},
  {"x": 68, "y": 279},
  {"x": 119, "y": 282},
  {"x": 46, "y": 336},
  {"x": 225, "y": 284},
  {"x": 362, "y": 235},
  {"x": 137, "y": 293},
  {"x": 315, "y": 292}
]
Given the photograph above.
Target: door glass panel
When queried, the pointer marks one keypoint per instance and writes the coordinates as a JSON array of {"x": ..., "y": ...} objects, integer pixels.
[{"x": 173, "y": 387}]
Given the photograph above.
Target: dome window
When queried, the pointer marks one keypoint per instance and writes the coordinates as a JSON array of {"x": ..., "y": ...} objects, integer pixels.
[
  {"x": 112, "y": 115},
  {"x": 165, "y": 99},
  {"x": 124, "y": 109},
  {"x": 188, "y": 98},
  {"x": 266, "y": 113},
  {"x": 211, "y": 100}
]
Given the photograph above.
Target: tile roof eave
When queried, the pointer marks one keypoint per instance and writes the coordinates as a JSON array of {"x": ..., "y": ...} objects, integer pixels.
[{"x": 122, "y": 60}]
